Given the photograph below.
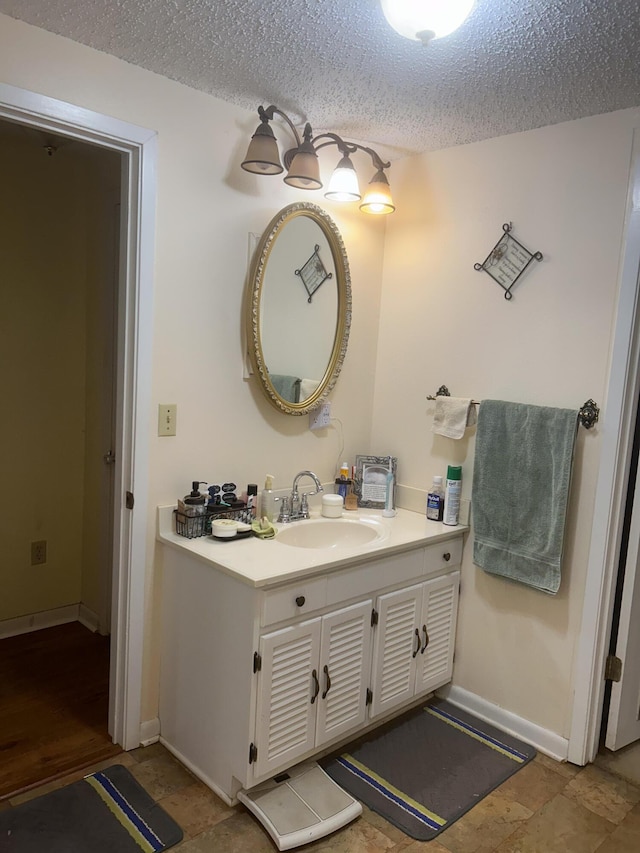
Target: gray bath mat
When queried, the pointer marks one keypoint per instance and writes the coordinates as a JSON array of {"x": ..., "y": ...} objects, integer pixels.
[
  {"x": 428, "y": 770},
  {"x": 102, "y": 813}
]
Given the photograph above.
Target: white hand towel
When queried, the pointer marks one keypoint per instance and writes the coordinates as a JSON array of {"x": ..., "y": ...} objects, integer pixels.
[
  {"x": 307, "y": 388},
  {"x": 453, "y": 415}
]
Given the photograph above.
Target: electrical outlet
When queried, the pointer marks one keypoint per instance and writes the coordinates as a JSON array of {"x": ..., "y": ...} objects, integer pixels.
[
  {"x": 320, "y": 417},
  {"x": 167, "y": 415},
  {"x": 39, "y": 552}
]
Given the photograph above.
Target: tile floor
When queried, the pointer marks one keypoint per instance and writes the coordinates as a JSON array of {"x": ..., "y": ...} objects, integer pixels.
[{"x": 544, "y": 808}]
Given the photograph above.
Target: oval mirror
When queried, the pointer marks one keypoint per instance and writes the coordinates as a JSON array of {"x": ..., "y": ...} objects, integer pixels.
[{"x": 299, "y": 308}]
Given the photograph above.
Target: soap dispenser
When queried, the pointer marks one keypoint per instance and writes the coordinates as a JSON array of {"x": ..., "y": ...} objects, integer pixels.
[{"x": 194, "y": 502}]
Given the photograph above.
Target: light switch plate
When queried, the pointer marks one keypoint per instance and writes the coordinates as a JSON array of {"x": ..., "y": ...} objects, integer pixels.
[{"x": 167, "y": 416}]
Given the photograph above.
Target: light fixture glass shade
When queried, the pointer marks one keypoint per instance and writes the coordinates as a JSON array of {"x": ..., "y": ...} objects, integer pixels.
[
  {"x": 423, "y": 20},
  {"x": 343, "y": 185},
  {"x": 304, "y": 171},
  {"x": 263, "y": 157},
  {"x": 377, "y": 199}
]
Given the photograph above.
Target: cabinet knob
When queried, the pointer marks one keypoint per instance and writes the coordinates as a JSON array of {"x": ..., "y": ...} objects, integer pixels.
[
  {"x": 300, "y": 600},
  {"x": 446, "y": 556}
]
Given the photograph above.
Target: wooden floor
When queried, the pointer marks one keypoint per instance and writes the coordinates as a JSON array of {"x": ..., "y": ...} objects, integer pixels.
[{"x": 54, "y": 691}]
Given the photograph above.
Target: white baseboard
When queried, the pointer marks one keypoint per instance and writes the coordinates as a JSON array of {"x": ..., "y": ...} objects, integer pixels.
[
  {"x": 36, "y": 621},
  {"x": 199, "y": 775},
  {"x": 88, "y": 618},
  {"x": 548, "y": 742},
  {"x": 149, "y": 731}
]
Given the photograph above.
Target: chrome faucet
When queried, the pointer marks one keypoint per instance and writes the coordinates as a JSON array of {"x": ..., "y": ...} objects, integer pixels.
[{"x": 297, "y": 506}]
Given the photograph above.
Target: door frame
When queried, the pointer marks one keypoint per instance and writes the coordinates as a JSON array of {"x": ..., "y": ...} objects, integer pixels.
[
  {"x": 617, "y": 428},
  {"x": 133, "y": 377}
]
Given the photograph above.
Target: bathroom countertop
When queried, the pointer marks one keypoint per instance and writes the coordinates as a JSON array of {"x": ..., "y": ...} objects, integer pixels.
[{"x": 265, "y": 562}]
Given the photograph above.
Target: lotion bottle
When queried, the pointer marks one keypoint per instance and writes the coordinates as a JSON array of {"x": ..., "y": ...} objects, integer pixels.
[
  {"x": 435, "y": 500},
  {"x": 267, "y": 501},
  {"x": 389, "y": 508}
]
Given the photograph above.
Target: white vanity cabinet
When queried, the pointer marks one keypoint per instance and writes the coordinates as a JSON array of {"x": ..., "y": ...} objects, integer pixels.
[
  {"x": 312, "y": 685},
  {"x": 256, "y": 678},
  {"x": 414, "y": 641}
]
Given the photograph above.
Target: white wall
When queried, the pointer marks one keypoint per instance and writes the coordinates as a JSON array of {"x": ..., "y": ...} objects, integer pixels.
[
  {"x": 440, "y": 322},
  {"x": 206, "y": 207},
  {"x": 564, "y": 189}
]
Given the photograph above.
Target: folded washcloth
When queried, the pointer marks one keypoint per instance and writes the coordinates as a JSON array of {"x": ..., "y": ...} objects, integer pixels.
[
  {"x": 521, "y": 477},
  {"x": 263, "y": 528},
  {"x": 453, "y": 415}
]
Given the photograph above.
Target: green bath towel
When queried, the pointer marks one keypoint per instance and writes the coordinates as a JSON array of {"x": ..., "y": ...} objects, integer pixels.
[
  {"x": 288, "y": 387},
  {"x": 521, "y": 478}
]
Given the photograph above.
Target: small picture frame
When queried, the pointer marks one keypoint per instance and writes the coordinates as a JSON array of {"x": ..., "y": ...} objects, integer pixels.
[
  {"x": 370, "y": 482},
  {"x": 313, "y": 273},
  {"x": 506, "y": 262}
]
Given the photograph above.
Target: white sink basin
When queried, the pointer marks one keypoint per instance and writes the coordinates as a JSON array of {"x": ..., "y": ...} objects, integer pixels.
[{"x": 320, "y": 533}]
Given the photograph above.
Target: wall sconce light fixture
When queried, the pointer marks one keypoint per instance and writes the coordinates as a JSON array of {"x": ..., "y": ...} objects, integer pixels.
[
  {"x": 424, "y": 20},
  {"x": 303, "y": 169}
]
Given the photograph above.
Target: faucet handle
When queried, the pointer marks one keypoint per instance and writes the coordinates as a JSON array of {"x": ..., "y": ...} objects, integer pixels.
[
  {"x": 304, "y": 506},
  {"x": 285, "y": 513}
]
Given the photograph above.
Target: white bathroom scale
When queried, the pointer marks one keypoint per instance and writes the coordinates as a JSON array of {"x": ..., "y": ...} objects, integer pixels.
[{"x": 300, "y": 806}]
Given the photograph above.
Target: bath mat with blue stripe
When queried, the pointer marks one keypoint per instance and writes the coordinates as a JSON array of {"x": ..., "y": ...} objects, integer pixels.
[
  {"x": 104, "y": 812},
  {"x": 426, "y": 771}
]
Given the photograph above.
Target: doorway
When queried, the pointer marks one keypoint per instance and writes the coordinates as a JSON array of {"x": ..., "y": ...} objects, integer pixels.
[
  {"x": 614, "y": 481},
  {"x": 133, "y": 374},
  {"x": 57, "y": 347}
]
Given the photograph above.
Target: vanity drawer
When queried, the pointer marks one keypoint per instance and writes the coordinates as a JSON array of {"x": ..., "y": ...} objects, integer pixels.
[
  {"x": 293, "y": 600},
  {"x": 443, "y": 555},
  {"x": 370, "y": 577}
]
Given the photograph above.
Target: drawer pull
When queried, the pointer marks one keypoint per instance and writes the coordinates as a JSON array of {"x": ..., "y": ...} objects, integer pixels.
[
  {"x": 316, "y": 686},
  {"x": 446, "y": 556},
  {"x": 327, "y": 682},
  {"x": 426, "y": 639},
  {"x": 418, "y": 644},
  {"x": 300, "y": 600}
]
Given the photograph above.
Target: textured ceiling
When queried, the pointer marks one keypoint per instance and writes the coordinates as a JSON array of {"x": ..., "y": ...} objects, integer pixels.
[{"x": 514, "y": 65}]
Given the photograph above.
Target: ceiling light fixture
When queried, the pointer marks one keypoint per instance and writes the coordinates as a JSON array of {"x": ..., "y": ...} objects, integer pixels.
[
  {"x": 424, "y": 20},
  {"x": 303, "y": 168}
]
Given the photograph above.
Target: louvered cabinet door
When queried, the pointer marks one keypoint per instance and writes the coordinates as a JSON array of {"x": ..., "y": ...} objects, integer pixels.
[
  {"x": 345, "y": 666},
  {"x": 288, "y": 691},
  {"x": 437, "y": 632},
  {"x": 395, "y": 642}
]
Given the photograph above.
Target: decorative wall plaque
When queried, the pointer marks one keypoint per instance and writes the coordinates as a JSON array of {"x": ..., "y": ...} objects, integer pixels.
[
  {"x": 313, "y": 273},
  {"x": 506, "y": 262}
]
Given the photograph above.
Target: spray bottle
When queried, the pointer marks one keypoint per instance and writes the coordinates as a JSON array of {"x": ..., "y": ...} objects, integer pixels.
[{"x": 452, "y": 494}]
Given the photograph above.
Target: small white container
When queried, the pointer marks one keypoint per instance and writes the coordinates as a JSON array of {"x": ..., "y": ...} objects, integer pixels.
[
  {"x": 224, "y": 528},
  {"x": 332, "y": 506}
]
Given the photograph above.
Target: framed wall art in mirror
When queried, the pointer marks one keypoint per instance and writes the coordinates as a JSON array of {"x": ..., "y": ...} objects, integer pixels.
[{"x": 298, "y": 308}]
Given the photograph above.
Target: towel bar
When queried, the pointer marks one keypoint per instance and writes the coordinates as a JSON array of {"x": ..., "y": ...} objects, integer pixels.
[{"x": 588, "y": 413}]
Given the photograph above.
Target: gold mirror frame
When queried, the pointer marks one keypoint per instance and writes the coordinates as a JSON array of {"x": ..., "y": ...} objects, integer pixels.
[{"x": 343, "y": 320}]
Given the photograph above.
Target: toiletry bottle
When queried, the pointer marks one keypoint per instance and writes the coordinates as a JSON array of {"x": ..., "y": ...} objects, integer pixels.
[
  {"x": 351, "y": 500},
  {"x": 252, "y": 498},
  {"x": 389, "y": 507},
  {"x": 267, "y": 503},
  {"x": 452, "y": 495},
  {"x": 435, "y": 500},
  {"x": 343, "y": 481}
]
